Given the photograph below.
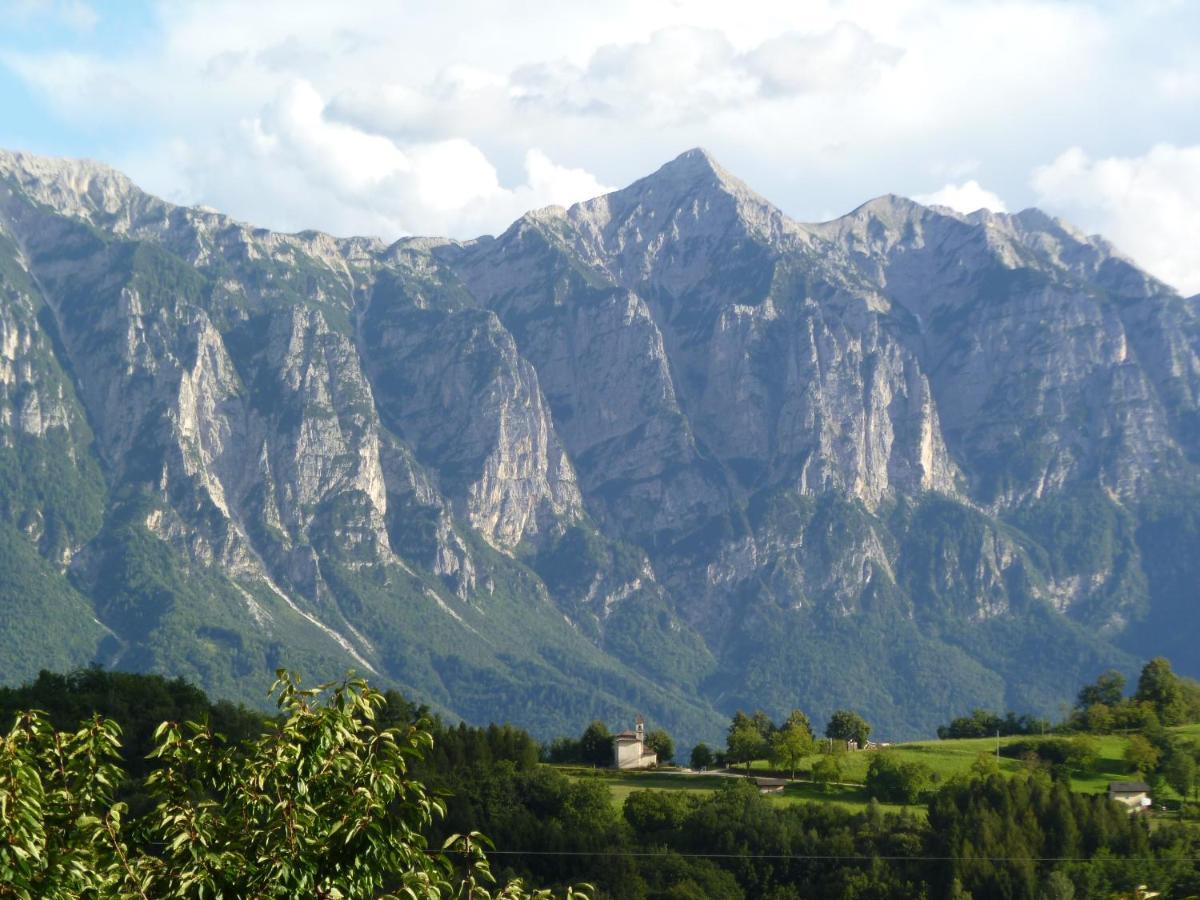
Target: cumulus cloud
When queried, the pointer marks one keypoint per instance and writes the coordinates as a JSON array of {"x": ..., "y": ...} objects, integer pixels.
[
  {"x": 306, "y": 167},
  {"x": 1148, "y": 205},
  {"x": 684, "y": 73},
  {"x": 678, "y": 74},
  {"x": 844, "y": 58},
  {"x": 964, "y": 198}
]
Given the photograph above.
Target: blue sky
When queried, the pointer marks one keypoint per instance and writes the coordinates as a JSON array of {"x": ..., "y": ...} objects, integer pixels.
[{"x": 391, "y": 118}]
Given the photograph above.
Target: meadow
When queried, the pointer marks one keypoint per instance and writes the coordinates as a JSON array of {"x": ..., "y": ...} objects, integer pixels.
[{"x": 945, "y": 759}]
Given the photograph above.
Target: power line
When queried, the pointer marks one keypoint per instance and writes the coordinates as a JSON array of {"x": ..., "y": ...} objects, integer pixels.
[{"x": 835, "y": 857}]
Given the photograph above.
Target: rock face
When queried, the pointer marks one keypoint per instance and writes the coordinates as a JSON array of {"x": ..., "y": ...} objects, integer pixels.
[{"x": 667, "y": 449}]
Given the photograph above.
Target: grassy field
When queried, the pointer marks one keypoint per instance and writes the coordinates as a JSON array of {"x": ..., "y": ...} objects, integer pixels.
[
  {"x": 622, "y": 784},
  {"x": 945, "y": 759}
]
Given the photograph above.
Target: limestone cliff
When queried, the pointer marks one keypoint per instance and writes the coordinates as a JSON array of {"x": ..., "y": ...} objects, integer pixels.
[{"x": 668, "y": 441}]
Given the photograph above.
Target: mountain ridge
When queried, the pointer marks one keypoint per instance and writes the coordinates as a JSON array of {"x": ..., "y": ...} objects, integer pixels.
[{"x": 667, "y": 440}]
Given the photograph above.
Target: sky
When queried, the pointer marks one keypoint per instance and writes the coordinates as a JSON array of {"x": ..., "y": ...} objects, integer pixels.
[{"x": 454, "y": 117}]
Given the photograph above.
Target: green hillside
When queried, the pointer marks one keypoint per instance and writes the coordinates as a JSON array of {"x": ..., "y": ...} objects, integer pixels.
[{"x": 945, "y": 760}]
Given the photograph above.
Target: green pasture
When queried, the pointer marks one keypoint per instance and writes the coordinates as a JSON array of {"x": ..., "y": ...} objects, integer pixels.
[{"x": 944, "y": 759}]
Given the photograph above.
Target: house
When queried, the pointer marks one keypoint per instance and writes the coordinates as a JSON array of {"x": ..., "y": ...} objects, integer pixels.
[
  {"x": 630, "y": 751},
  {"x": 770, "y": 785},
  {"x": 1133, "y": 794}
]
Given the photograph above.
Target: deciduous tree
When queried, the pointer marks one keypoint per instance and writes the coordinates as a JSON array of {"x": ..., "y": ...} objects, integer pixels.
[
  {"x": 1141, "y": 755},
  {"x": 827, "y": 770},
  {"x": 746, "y": 744},
  {"x": 847, "y": 725},
  {"x": 1160, "y": 687},
  {"x": 789, "y": 746},
  {"x": 1108, "y": 688},
  {"x": 660, "y": 742}
]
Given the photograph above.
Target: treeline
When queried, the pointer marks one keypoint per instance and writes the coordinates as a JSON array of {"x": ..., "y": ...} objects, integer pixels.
[
  {"x": 1161, "y": 698},
  {"x": 139, "y": 703},
  {"x": 985, "y": 723},
  {"x": 1019, "y": 836}
]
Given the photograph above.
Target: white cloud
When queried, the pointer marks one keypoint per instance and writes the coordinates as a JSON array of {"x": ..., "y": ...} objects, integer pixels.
[
  {"x": 1149, "y": 205},
  {"x": 842, "y": 59},
  {"x": 306, "y": 167},
  {"x": 685, "y": 73},
  {"x": 964, "y": 198},
  {"x": 454, "y": 117}
]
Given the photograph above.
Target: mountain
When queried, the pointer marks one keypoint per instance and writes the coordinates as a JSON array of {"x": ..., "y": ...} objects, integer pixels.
[{"x": 667, "y": 451}]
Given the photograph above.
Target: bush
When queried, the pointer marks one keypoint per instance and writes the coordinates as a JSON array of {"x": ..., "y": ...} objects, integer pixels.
[
  {"x": 892, "y": 780},
  {"x": 1077, "y": 753}
]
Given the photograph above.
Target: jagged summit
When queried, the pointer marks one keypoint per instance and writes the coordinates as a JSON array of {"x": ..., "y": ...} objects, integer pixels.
[
  {"x": 895, "y": 205},
  {"x": 77, "y": 187},
  {"x": 694, "y": 173},
  {"x": 693, "y": 197},
  {"x": 693, "y": 167},
  {"x": 692, "y": 193},
  {"x": 33, "y": 165}
]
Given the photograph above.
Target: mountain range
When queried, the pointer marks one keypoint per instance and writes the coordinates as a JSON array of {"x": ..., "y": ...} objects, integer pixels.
[{"x": 665, "y": 452}]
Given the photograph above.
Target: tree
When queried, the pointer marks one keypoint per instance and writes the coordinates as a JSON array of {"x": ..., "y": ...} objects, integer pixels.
[
  {"x": 985, "y": 766},
  {"x": 1058, "y": 887},
  {"x": 789, "y": 746},
  {"x": 1108, "y": 689},
  {"x": 660, "y": 742},
  {"x": 1098, "y": 718},
  {"x": 847, "y": 725},
  {"x": 746, "y": 744},
  {"x": 655, "y": 814},
  {"x": 596, "y": 745},
  {"x": 764, "y": 725},
  {"x": 895, "y": 781},
  {"x": 1160, "y": 687},
  {"x": 1082, "y": 753},
  {"x": 323, "y": 805},
  {"x": 1141, "y": 755},
  {"x": 1179, "y": 769},
  {"x": 702, "y": 756},
  {"x": 980, "y": 723},
  {"x": 739, "y": 720},
  {"x": 1135, "y": 715},
  {"x": 827, "y": 770},
  {"x": 800, "y": 719}
]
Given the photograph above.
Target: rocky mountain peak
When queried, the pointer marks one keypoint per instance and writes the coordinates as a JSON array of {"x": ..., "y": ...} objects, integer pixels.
[
  {"x": 891, "y": 208},
  {"x": 691, "y": 201},
  {"x": 691, "y": 170},
  {"x": 877, "y": 226},
  {"x": 76, "y": 187}
]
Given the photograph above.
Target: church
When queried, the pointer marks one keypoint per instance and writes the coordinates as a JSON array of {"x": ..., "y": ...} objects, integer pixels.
[{"x": 630, "y": 751}]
